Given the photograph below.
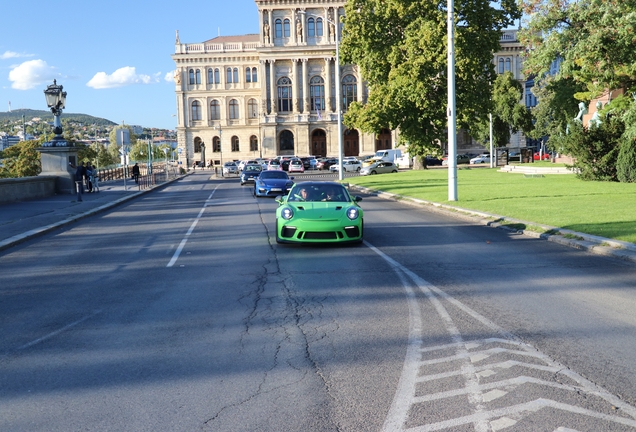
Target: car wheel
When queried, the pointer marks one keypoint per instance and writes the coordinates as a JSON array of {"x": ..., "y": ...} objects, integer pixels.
[
  {"x": 358, "y": 169},
  {"x": 373, "y": 172},
  {"x": 394, "y": 171}
]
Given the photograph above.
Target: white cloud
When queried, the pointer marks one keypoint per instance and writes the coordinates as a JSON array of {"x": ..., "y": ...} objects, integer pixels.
[
  {"x": 169, "y": 76},
  {"x": 120, "y": 78},
  {"x": 12, "y": 54},
  {"x": 31, "y": 74}
]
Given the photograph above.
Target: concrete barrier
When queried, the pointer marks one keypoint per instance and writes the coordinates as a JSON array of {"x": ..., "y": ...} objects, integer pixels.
[{"x": 26, "y": 188}]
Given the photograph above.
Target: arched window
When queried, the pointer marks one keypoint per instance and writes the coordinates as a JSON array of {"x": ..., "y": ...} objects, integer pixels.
[
  {"x": 319, "y": 27},
  {"x": 287, "y": 141},
  {"x": 191, "y": 76},
  {"x": 252, "y": 108},
  {"x": 284, "y": 94},
  {"x": 248, "y": 75},
  {"x": 286, "y": 27},
  {"x": 234, "y": 109},
  {"x": 254, "y": 75},
  {"x": 501, "y": 66},
  {"x": 235, "y": 144},
  {"x": 210, "y": 76},
  {"x": 235, "y": 75},
  {"x": 349, "y": 90},
  {"x": 197, "y": 145},
  {"x": 215, "y": 110},
  {"x": 253, "y": 143},
  {"x": 311, "y": 27},
  {"x": 508, "y": 65},
  {"x": 216, "y": 144},
  {"x": 278, "y": 28},
  {"x": 196, "y": 110},
  {"x": 217, "y": 76},
  {"x": 198, "y": 76},
  {"x": 229, "y": 75},
  {"x": 317, "y": 93}
]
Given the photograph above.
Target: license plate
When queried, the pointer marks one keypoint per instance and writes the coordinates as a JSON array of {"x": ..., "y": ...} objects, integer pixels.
[{"x": 277, "y": 190}]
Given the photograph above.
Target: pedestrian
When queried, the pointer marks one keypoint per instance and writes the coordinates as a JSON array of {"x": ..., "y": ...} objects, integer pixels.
[
  {"x": 80, "y": 172},
  {"x": 88, "y": 177},
  {"x": 136, "y": 173}
]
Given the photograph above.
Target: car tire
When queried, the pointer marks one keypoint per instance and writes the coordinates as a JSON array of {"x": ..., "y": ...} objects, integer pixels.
[
  {"x": 373, "y": 172},
  {"x": 358, "y": 169},
  {"x": 394, "y": 171}
]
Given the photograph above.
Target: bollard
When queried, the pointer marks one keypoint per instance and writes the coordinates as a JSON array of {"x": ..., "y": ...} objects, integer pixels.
[{"x": 78, "y": 186}]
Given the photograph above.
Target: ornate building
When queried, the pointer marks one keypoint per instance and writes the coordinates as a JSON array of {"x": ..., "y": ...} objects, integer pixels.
[{"x": 272, "y": 93}]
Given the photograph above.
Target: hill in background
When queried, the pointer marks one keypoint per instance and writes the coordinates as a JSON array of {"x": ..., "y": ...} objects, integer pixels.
[{"x": 47, "y": 116}]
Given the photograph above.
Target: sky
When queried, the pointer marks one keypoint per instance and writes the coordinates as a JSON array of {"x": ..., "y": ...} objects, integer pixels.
[{"x": 113, "y": 60}]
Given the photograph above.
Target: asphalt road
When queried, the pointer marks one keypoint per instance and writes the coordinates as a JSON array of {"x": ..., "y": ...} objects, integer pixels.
[{"x": 178, "y": 311}]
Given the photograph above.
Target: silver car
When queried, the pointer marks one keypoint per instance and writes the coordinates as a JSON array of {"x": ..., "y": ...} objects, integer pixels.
[{"x": 379, "y": 167}]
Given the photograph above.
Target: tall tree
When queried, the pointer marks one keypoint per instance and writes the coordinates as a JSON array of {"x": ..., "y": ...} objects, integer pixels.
[
  {"x": 594, "y": 38},
  {"x": 508, "y": 114},
  {"x": 21, "y": 160},
  {"x": 400, "y": 47}
]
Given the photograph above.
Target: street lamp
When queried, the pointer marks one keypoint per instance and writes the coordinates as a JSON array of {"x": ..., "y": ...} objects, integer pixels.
[
  {"x": 220, "y": 145},
  {"x": 452, "y": 106},
  {"x": 338, "y": 101},
  {"x": 56, "y": 101}
]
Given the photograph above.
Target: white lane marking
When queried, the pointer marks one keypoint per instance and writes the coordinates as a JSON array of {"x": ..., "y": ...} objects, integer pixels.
[
  {"x": 57, "y": 332},
  {"x": 405, "y": 392},
  {"x": 177, "y": 253}
]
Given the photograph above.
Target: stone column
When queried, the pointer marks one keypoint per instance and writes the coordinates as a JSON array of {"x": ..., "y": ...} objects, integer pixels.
[
  {"x": 358, "y": 76},
  {"x": 306, "y": 106},
  {"x": 271, "y": 27},
  {"x": 262, "y": 68},
  {"x": 296, "y": 87},
  {"x": 328, "y": 97},
  {"x": 273, "y": 89}
]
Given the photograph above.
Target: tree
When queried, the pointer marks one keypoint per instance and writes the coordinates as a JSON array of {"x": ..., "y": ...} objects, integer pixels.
[
  {"x": 21, "y": 160},
  {"x": 508, "y": 115},
  {"x": 400, "y": 47},
  {"x": 113, "y": 148},
  {"x": 594, "y": 38}
]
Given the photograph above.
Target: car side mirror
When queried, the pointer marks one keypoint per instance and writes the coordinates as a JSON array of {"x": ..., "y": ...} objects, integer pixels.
[
  {"x": 357, "y": 198},
  {"x": 279, "y": 199}
]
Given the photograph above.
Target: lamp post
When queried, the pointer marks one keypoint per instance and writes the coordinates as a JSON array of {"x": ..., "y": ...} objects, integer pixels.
[
  {"x": 56, "y": 101},
  {"x": 452, "y": 115},
  {"x": 220, "y": 145},
  {"x": 338, "y": 101}
]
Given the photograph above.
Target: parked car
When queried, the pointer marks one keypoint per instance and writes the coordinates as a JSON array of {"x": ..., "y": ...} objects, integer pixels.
[
  {"x": 230, "y": 168},
  {"x": 461, "y": 159},
  {"x": 250, "y": 172},
  {"x": 296, "y": 165},
  {"x": 482, "y": 158},
  {"x": 537, "y": 156},
  {"x": 319, "y": 212},
  {"x": 274, "y": 165},
  {"x": 272, "y": 183},
  {"x": 309, "y": 162},
  {"x": 380, "y": 167},
  {"x": 347, "y": 165},
  {"x": 326, "y": 163},
  {"x": 370, "y": 161},
  {"x": 432, "y": 161}
]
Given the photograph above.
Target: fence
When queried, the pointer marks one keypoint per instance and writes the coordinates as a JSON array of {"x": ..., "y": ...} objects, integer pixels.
[{"x": 160, "y": 173}]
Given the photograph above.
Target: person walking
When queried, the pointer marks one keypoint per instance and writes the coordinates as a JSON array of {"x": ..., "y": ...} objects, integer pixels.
[
  {"x": 136, "y": 173},
  {"x": 80, "y": 172},
  {"x": 88, "y": 177}
]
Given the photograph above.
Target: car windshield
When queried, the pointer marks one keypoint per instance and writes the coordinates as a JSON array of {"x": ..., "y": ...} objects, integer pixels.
[
  {"x": 317, "y": 192},
  {"x": 252, "y": 168},
  {"x": 274, "y": 175}
]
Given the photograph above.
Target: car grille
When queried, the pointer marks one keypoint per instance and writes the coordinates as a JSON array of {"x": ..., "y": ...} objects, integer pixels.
[
  {"x": 310, "y": 235},
  {"x": 353, "y": 231}
]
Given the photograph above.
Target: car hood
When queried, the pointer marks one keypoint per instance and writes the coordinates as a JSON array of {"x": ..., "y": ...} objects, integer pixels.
[
  {"x": 320, "y": 210},
  {"x": 276, "y": 182}
]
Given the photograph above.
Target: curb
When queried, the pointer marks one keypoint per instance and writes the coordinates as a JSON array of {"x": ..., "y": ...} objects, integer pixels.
[{"x": 594, "y": 244}]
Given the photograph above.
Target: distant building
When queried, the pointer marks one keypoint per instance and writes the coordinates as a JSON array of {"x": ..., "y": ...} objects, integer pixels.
[
  {"x": 7, "y": 141},
  {"x": 272, "y": 93}
]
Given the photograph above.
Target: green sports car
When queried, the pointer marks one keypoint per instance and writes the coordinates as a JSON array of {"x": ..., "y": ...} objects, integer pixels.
[{"x": 319, "y": 212}]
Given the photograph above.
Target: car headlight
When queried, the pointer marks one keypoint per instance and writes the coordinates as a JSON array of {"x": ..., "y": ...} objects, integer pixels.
[
  {"x": 352, "y": 213},
  {"x": 287, "y": 213}
]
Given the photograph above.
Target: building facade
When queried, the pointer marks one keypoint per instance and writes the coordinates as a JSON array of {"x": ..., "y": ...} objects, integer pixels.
[{"x": 272, "y": 93}]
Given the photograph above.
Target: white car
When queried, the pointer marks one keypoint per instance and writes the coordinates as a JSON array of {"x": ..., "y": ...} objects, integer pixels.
[
  {"x": 351, "y": 165},
  {"x": 230, "y": 168},
  {"x": 482, "y": 158}
]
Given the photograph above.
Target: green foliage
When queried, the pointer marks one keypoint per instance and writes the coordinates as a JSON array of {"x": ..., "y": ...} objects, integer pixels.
[
  {"x": 626, "y": 163},
  {"x": 400, "y": 48},
  {"x": 556, "y": 105},
  {"x": 594, "y": 149},
  {"x": 21, "y": 160},
  {"x": 508, "y": 114},
  {"x": 595, "y": 39}
]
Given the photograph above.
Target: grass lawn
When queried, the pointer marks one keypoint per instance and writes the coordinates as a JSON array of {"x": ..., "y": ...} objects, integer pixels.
[{"x": 600, "y": 208}]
